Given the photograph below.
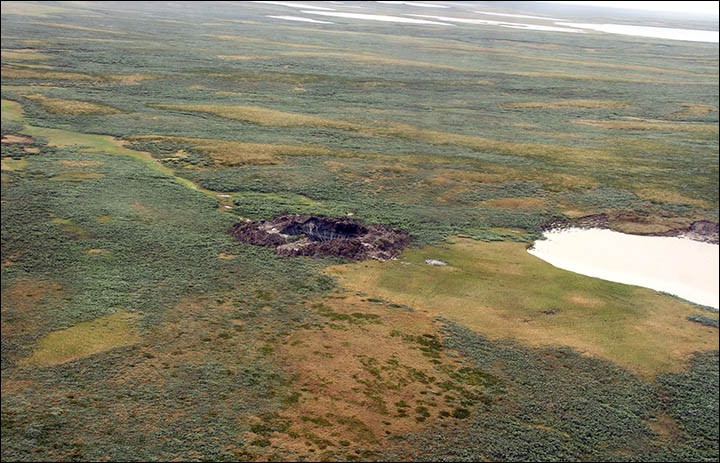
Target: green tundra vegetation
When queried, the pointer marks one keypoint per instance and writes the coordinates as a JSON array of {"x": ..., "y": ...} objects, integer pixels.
[{"x": 135, "y": 327}]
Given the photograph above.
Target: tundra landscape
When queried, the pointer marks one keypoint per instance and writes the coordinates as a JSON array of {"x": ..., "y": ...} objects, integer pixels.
[{"x": 281, "y": 231}]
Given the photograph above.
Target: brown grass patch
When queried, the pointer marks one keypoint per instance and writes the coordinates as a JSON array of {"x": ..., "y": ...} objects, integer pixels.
[
  {"x": 24, "y": 302},
  {"x": 27, "y": 293},
  {"x": 363, "y": 377},
  {"x": 513, "y": 203},
  {"x": 73, "y": 107},
  {"x": 665, "y": 426},
  {"x": 132, "y": 79},
  {"x": 16, "y": 139},
  {"x": 225, "y": 256},
  {"x": 668, "y": 195}
]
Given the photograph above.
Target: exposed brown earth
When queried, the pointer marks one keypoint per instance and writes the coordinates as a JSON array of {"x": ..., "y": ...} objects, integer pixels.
[{"x": 318, "y": 236}]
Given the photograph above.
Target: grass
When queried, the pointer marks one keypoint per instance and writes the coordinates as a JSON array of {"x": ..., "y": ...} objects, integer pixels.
[
  {"x": 8, "y": 72},
  {"x": 235, "y": 153},
  {"x": 14, "y": 164},
  {"x": 710, "y": 129},
  {"x": 364, "y": 373},
  {"x": 23, "y": 55},
  {"x": 84, "y": 339},
  {"x": 239, "y": 355},
  {"x": 568, "y": 104},
  {"x": 501, "y": 291},
  {"x": 262, "y": 116},
  {"x": 11, "y": 110},
  {"x": 71, "y": 107},
  {"x": 88, "y": 143}
]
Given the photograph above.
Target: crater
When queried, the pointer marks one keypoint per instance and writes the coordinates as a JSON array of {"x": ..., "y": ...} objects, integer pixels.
[{"x": 319, "y": 236}]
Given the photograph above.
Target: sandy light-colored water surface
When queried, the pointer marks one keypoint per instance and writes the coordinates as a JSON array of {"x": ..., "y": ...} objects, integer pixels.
[{"x": 679, "y": 266}]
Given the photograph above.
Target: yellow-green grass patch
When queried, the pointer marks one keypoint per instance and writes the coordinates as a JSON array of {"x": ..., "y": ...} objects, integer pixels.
[
  {"x": 97, "y": 252},
  {"x": 72, "y": 229},
  {"x": 233, "y": 153},
  {"x": 28, "y": 73},
  {"x": 73, "y": 107},
  {"x": 244, "y": 57},
  {"x": 90, "y": 143},
  {"x": 583, "y": 156},
  {"x": 84, "y": 339},
  {"x": 76, "y": 176},
  {"x": 264, "y": 116},
  {"x": 37, "y": 9},
  {"x": 27, "y": 54},
  {"x": 501, "y": 291},
  {"x": 653, "y": 124},
  {"x": 270, "y": 117},
  {"x": 513, "y": 203},
  {"x": 11, "y": 110},
  {"x": 14, "y": 164}
]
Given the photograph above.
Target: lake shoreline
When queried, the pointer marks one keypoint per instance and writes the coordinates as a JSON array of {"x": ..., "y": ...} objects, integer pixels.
[{"x": 704, "y": 231}]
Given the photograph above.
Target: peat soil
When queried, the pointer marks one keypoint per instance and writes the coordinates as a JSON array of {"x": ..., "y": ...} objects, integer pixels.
[{"x": 320, "y": 236}]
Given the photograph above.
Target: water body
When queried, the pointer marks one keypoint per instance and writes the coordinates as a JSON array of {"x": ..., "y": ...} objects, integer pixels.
[
  {"x": 375, "y": 17},
  {"x": 679, "y": 266},
  {"x": 691, "y": 35},
  {"x": 300, "y": 18}
]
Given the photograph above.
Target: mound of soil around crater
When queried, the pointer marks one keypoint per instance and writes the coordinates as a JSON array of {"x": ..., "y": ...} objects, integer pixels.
[{"x": 317, "y": 236}]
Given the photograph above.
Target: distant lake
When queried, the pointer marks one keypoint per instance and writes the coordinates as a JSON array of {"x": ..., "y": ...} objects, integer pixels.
[
  {"x": 692, "y": 35},
  {"x": 679, "y": 266}
]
